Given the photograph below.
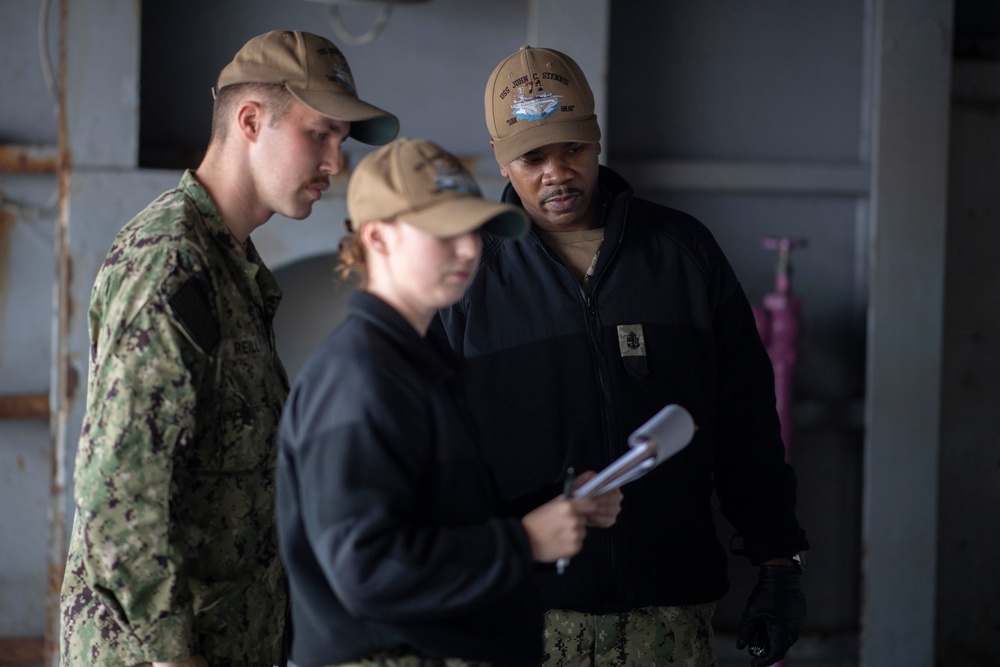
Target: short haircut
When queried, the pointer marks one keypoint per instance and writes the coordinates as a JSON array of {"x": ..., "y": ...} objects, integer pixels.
[{"x": 273, "y": 97}]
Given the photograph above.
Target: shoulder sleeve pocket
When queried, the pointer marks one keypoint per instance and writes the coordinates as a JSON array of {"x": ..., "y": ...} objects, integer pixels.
[{"x": 190, "y": 308}]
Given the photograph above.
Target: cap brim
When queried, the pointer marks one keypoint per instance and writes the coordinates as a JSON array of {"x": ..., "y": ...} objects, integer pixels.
[
  {"x": 585, "y": 131},
  {"x": 369, "y": 124},
  {"x": 459, "y": 215}
]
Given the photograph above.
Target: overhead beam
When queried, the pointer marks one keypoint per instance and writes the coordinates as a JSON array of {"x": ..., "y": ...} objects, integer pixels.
[{"x": 792, "y": 178}]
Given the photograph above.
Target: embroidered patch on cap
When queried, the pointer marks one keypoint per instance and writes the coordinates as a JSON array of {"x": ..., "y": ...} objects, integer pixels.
[
  {"x": 451, "y": 175},
  {"x": 631, "y": 341},
  {"x": 538, "y": 107},
  {"x": 340, "y": 71}
]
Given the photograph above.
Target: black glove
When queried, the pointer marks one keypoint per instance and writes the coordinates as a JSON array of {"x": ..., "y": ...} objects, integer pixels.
[{"x": 771, "y": 618}]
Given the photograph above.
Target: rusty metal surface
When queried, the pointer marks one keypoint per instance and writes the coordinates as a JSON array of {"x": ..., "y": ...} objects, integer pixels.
[
  {"x": 57, "y": 528},
  {"x": 21, "y": 650},
  {"x": 24, "y": 406},
  {"x": 6, "y": 223},
  {"x": 28, "y": 159}
]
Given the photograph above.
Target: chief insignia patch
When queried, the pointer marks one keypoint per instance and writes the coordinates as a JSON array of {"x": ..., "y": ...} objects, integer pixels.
[{"x": 631, "y": 341}]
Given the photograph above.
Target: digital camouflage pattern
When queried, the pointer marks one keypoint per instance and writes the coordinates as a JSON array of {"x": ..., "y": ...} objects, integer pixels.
[
  {"x": 403, "y": 659},
  {"x": 174, "y": 548},
  {"x": 646, "y": 637}
]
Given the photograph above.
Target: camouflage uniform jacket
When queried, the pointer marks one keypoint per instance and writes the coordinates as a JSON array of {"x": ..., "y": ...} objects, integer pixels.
[{"x": 174, "y": 550}]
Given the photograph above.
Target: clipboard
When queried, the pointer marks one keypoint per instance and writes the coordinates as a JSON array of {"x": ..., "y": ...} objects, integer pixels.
[{"x": 666, "y": 433}]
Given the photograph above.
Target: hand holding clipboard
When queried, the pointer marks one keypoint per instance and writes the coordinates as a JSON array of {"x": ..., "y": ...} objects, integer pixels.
[{"x": 666, "y": 433}]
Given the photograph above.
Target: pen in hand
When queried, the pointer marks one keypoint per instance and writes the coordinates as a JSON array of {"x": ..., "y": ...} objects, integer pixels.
[{"x": 568, "y": 492}]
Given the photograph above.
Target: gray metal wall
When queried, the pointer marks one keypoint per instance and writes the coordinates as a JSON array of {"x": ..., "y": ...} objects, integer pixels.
[
  {"x": 753, "y": 117},
  {"x": 763, "y": 118},
  {"x": 27, "y": 270}
]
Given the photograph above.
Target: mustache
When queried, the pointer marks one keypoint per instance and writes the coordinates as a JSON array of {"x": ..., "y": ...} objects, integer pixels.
[{"x": 561, "y": 192}]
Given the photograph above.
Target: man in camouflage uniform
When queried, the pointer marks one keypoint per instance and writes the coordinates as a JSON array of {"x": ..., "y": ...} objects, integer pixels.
[{"x": 174, "y": 556}]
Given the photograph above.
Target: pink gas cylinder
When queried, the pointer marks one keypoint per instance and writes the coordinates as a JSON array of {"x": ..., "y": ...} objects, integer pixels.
[{"x": 779, "y": 324}]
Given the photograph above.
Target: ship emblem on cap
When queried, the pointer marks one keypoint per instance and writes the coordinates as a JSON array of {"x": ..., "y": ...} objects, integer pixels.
[
  {"x": 339, "y": 70},
  {"x": 539, "y": 107},
  {"x": 451, "y": 175}
]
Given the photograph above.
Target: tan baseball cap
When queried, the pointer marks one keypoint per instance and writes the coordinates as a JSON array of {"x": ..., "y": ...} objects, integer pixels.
[
  {"x": 537, "y": 97},
  {"x": 420, "y": 183},
  {"x": 314, "y": 70}
]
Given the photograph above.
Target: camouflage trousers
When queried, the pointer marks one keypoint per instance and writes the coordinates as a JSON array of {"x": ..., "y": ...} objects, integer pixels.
[
  {"x": 212, "y": 661},
  {"x": 646, "y": 637},
  {"x": 397, "y": 659}
]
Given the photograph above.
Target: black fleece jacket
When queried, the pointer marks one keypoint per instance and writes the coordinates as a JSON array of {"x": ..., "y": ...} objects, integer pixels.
[
  {"x": 554, "y": 380},
  {"x": 387, "y": 512}
]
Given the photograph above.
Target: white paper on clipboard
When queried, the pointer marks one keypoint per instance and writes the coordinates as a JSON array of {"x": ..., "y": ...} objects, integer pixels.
[{"x": 668, "y": 432}]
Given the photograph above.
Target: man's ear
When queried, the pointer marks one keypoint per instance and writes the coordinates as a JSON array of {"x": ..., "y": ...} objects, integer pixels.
[{"x": 249, "y": 118}]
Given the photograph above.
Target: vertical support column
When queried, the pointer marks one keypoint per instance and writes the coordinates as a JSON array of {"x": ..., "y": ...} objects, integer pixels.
[
  {"x": 912, "y": 77},
  {"x": 98, "y": 133}
]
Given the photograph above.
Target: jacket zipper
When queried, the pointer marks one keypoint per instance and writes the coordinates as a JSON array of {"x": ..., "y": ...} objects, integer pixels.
[
  {"x": 590, "y": 320},
  {"x": 592, "y": 325},
  {"x": 609, "y": 419}
]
